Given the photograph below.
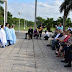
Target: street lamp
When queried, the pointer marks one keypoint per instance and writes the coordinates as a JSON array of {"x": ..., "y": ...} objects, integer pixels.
[
  {"x": 24, "y": 23},
  {"x": 5, "y": 11},
  {"x": 35, "y": 13},
  {"x": 19, "y": 21}
]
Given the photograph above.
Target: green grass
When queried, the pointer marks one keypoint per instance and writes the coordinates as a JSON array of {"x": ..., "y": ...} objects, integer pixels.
[
  {"x": 22, "y": 28},
  {"x": 26, "y": 29}
]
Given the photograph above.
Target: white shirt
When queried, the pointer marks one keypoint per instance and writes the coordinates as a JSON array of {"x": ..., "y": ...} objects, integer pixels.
[
  {"x": 63, "y": 37},
  {"x": 3, "y": 36},
  {"x": 0, "y": 34},
  {"x": 57, "y": 36},
  {"x": 47, "y": 34},
  {"x": 70, "y": 29}
]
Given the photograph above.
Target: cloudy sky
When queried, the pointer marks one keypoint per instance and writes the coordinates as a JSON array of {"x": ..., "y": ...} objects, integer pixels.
[{"x": 45, "y": 8}]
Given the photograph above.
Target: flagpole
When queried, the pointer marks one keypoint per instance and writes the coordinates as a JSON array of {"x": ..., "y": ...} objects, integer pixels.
[
  {"x": 35, "y": 13},
  {"x": 5, "y": 11}
]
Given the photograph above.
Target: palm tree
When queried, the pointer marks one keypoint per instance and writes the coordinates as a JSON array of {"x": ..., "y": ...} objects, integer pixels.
[
  {"x": 66, "y": 6},
  {"x": 1, "y": 2}
]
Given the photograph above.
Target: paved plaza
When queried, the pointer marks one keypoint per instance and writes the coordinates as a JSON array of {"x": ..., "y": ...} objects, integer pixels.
[{"x": 30, "y": 56}]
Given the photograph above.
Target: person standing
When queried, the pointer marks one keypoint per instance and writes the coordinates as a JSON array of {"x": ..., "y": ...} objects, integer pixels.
[
  {"x": 30, "y": 32},
  {"x": 61, "y": 27},
  {"x": 2, "y": 37},
  {"x": 8, "y": 34},
  {"x": 13, "y": 35},
  {"x": 40, "y": 28},
  {"x": 12, "y": 31}
]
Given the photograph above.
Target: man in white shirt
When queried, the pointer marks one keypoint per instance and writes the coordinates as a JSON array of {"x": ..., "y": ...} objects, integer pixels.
[
  {"x": 46, "y": 36},
  {"x": 57, "y": 36},
  {"x": 51, "y": 38},
  {"x": 0, "y": 33},
  {"x": 2, "y": 37},
  {"x": 69, "y": 28},
  {"x": 54, "y": 40}
]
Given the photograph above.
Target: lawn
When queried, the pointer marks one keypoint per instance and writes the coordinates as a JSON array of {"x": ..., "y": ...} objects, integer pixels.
[{"x": 26, "y": 29}]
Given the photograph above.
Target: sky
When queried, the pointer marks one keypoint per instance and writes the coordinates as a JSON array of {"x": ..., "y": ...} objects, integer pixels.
[{"x": 45, "y": 8}]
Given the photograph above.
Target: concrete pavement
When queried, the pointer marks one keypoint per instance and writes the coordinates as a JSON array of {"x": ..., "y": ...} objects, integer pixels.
[{"x": 30, "y": 56}]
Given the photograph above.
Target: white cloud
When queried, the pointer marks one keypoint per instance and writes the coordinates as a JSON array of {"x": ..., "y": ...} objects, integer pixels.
[{"x": 28, "y": 9}]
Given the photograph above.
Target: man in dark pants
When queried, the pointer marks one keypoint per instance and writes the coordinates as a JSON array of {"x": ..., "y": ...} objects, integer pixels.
[
  {"x": 40, "y": 28},
  {"x": 68, "y": 54},
  {"x": 60, "y": 34},
  {"x": 26, "y": 35},
  {"x": 30, "y": 32}
]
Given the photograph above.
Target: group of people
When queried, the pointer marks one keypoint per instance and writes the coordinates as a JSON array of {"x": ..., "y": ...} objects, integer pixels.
[
  {"x": 61, "y": 41},
  {"x": 32, "y": 33},
  {"x": 7, "y": 35},
  {"x": 37, "y": 33}
]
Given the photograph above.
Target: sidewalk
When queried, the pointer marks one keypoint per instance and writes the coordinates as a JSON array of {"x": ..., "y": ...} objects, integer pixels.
[{"x": 30, "y": 56}]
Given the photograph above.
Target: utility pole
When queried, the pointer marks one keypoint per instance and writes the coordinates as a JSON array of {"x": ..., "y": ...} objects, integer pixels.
[
  {"x": 35, "y": 13},
  {"x": 19, "y": 21},
  {"x": 24, "y": 23},
  {"x": 5, "y": 11}
]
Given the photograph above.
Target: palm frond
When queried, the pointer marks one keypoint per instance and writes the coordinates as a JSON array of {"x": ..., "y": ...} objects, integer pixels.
[{"x": 62, "y": 7}]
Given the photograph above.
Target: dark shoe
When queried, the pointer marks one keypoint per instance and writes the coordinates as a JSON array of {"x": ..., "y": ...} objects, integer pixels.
[
  {"x": 53, "y": 49},
  {"x": 57, "y": 56},
  {"x": 8, "y": 45},
  {"x": 64, "y": 61},
  {"x": 48, "y": 45},
  {"x": 68, "y": 65},
  {"x": 56, "y": 53}
]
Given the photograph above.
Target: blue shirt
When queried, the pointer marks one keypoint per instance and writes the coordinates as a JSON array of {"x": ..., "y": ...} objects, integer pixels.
[
  {"x": 60, "y": 28},
  {"x": 8, "y": 34}
]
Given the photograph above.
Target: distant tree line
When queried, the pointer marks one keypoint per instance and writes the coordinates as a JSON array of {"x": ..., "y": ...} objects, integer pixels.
[{"x": 49, "y": 21}]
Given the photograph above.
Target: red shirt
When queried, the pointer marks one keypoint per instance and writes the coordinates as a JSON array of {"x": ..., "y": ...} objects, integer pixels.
[{"x": 65, "y": 40}]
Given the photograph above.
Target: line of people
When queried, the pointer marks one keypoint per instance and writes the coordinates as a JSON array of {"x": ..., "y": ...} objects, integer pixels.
[
  {"x": 61, "y": 41},
  {"x": 7, "y": 35},
  {"x": 36, "y": 34}
]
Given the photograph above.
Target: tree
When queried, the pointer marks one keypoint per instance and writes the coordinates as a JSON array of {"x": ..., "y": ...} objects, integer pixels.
[
  {"x": 49, "y": 23},
  {"x": 68, "y": 22},
  {"x": 59, "y": 20},
  {"x": 9, "y": 18},
  {"x": 1, "y": 2},
  {"x": 39, "y": 20},
  {"x": 15, "y": 21},
  {"x": 1, "y": 13},
  {"x": 66, "y": 6},
  {"x": 30, "y": 23}
]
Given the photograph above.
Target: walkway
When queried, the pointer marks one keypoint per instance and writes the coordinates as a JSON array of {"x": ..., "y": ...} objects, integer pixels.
[{"x": 30, "y": 56}]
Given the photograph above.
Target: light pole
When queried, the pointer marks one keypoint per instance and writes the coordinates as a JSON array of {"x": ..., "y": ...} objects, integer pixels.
[
  {"x": 5, "y": 11},
  {"x": 35, "y": 13},
  {"x": 24, "y": 23},
  {"x": 19, "y": 21}
]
